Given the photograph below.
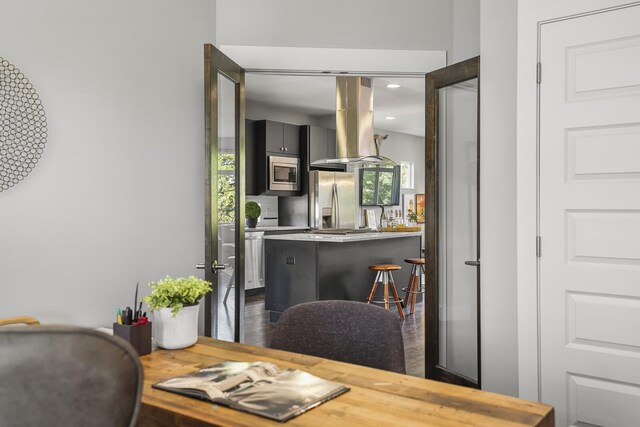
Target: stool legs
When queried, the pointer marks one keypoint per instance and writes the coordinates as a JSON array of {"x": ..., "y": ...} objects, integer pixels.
[
  {"x": 387, "y": 281},
  {"x": 414, "y": 287},
  {"x": 395, "y": 296},
  {"x": 408, "y": 294},
  {"x": 373, "y": 288},
  {"x": 385, "y": 278}
]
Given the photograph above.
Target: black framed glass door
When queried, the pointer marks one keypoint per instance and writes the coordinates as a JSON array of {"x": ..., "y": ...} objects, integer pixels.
[
  {"x": 452, "y": 300},
  {"x": 224, "y": 90}
]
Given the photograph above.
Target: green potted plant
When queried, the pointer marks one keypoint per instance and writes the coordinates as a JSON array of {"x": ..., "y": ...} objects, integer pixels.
[
  {"x": 175, "y": 305},
  {"x": 252, "y": 212},
  {"x": 412, "y": 217}
]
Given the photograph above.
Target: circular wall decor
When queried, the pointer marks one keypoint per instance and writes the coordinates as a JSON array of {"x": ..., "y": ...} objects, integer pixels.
[{"x": 23, "y": 126}]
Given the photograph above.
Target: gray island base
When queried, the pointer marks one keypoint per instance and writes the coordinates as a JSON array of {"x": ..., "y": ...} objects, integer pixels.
[{"x": 310, "y": 267}]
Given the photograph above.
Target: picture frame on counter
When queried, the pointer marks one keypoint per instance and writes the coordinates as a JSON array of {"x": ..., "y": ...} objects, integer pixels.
[
  {"x": 370, "y": 219},
  {"x": 408, "y": 204},
  {"x": 421, "y": 201}
]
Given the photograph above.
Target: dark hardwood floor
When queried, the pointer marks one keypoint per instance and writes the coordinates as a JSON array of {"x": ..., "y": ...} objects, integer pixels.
[{"x": 258, "y": 329}]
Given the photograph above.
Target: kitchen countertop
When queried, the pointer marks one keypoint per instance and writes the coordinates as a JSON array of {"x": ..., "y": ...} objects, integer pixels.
[
  {"x": 333, "y": 238},
  {"x": 277, "y": 228}
]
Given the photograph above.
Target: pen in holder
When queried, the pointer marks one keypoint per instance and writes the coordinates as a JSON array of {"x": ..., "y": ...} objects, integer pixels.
[{"x": 139, "y": 336}]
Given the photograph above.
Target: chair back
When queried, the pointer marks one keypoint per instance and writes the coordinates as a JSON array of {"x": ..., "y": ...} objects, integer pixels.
[
  {"x": 67, "y": 376},
  {"x": 347, "y": 331}
]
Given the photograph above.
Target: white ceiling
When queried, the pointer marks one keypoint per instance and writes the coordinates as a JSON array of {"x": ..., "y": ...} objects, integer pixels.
[{"x": 316, "y": 96}]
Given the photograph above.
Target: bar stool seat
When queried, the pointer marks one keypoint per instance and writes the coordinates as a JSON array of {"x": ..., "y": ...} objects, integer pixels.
[
  {"x": 384, "y": 267},
  {"x": 384, "y": 275},
  {"x": 415, "y": 282}
]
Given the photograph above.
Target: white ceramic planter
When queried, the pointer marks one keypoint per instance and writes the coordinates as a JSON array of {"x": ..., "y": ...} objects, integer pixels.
[{"x": 176, "y": 332}]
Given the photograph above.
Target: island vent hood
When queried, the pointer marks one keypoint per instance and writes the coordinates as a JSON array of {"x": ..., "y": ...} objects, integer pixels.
[{"x": 354, "y": 123}]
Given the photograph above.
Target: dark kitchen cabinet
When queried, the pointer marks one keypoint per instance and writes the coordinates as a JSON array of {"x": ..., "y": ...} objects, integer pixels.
[
  {"x": 331, "y": 144},
  {"x": 274, "y": 139},
  {"x": 317, "y": 139},
  {"x": 272, "y": 134},
  {"x": 278, "y": 138},
  {"x": 251, "y": 160},
  {"x": 291, "y": 139},
  {"x": 319, "y": 143}
]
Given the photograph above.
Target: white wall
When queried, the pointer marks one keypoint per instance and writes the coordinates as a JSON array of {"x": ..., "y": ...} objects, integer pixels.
[
  {"x": 466, "y": 30},
  {"x": 498, "y": 35},
  {"x": 530, "y": 14},
  {"x": 118, "y": 195},
  {"x": 375, "y": 24}
]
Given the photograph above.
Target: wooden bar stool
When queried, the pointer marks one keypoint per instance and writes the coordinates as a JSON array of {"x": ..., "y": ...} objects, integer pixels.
[
  {"x": 415, "y": 282},
  {"x": 384, "y": 275}
]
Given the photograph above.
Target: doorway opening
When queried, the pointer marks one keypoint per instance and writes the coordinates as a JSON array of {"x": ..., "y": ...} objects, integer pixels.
[{"x": 308, "y": 98}]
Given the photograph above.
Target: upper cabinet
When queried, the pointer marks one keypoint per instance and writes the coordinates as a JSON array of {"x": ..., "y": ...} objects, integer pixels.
[
  {"x": 278, "y": 138},
  {"x": 251, "y": 160},
  {"x": 271, "y": 139},
  {"x": 291, "y": 139},
  {"x": 319, "y": 143}
]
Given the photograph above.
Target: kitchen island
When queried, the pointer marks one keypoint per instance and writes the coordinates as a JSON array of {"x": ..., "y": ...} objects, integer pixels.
[{"x": 305, "y": 267}]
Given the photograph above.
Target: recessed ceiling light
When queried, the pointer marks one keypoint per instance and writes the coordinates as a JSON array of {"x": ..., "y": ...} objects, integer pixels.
[
  {"x": 393, "y": 85},
  {"x": 390, "y": 118}
]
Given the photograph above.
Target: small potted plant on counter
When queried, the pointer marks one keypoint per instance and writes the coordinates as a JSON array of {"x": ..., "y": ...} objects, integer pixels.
[
  {"x": 252, "y": 212},
  {"x": 175, "y": 304},
  {"x": 412, "y": 217}
]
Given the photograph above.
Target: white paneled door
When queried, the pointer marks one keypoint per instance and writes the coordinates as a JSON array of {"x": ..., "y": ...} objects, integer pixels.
[{"x": 590, "y": 218}]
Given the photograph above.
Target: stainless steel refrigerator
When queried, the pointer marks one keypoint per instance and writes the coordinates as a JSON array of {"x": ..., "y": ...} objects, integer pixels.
[{"x": 332, "y": 200}]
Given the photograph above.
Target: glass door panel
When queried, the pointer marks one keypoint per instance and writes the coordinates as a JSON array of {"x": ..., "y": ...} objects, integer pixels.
[
  {"x": 458, "y": 297},
  {"x": 227, "y": 166},
  {"x": 452, "y": 244}
]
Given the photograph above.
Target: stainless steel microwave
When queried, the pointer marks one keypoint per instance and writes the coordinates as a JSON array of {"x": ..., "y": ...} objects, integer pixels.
[{"x": 284, "y": 173}]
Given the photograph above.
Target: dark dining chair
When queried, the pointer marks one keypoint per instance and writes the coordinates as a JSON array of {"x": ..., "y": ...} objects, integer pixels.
[
  {"x": 347, "y": 331},
  {"x": 54, "y": 376}
]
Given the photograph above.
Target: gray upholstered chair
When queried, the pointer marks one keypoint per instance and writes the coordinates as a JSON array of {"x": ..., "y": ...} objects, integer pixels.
[
  {"x": 346, "y": 331},
  {"x": 54, "y": 376}
]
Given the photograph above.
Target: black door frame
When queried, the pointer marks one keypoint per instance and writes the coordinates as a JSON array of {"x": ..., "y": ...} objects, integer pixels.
[
  {"x": 215, "y": 62},
  {"x": 439, "y": 79}
]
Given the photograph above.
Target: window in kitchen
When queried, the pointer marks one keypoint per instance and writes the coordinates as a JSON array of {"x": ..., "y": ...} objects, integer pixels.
[
  {"x": 406, "y": 175},
  {"x": 226, "y": 188}
]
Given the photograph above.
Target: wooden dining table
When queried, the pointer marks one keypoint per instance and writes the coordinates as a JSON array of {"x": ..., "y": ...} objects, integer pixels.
[{"x": 376, "y": 397}]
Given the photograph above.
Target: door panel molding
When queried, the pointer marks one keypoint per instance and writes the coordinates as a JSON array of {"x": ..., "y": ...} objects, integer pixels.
[{"x": 588, "y": 300}]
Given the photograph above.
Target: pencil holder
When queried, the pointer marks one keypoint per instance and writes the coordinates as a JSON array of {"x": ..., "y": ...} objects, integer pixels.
[{"x": 139, "y": 336}]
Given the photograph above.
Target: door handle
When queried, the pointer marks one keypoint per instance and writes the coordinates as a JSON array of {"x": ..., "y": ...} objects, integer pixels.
[
  {"x": 473, "y": 263},
  {"x": 214, "y": 267}
]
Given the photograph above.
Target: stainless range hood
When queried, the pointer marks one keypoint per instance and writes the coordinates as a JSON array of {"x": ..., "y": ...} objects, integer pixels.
[{"x": 354, "y": 123}]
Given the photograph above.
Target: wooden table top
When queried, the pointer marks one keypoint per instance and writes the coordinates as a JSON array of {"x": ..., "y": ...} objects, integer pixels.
[{"x": 376, "y": 397}]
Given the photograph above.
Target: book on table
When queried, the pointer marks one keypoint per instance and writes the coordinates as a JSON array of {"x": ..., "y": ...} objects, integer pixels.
[{"x": 258, "y": 387}]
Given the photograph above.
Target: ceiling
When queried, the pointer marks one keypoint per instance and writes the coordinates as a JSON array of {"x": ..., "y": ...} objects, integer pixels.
[{"x": 315, "y": 95}]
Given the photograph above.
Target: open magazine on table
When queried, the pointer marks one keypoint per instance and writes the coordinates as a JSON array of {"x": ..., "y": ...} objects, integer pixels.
[{"x": 259, "y": 388}]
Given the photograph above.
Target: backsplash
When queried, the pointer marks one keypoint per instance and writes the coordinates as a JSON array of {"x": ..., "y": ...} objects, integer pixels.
[{"x": 269, "y": 206}]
